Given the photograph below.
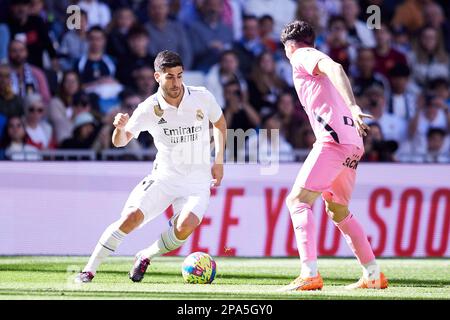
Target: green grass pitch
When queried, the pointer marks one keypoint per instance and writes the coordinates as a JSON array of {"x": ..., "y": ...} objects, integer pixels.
[{"x": 237, "y": 278}]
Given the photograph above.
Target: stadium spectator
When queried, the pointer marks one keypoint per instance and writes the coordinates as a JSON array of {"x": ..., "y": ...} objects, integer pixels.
[
  {"x": 429, "y": 58},
  {"x": 441, "y": 88},
  {"x": 364, "y": 74},
  {"x": 409, "y": 15},
  {"x": 26, "y": 78},
  {"x": 99, "y": 13},
  {"x": 84, "y": 132},
  {"x": 137, "y": 55},
  {"x": 232, "y": 14},
  {"x": 123, "y": 20},
  {"x": 139, "y": 7},
  {"x": 129, "y": 102},
  {"x": 240, "y": 115},
  {"x": 434, "y": 17},
  {"x": 74, "y": 44},
  {"x": 266, "y": 33},
  {"x": 250, "y": 46},
  {"x": 10, "y": 103},
  {"x": 33, "y": 31},
  {"x": 97, "y": 70},
  {"x": 337, "y": 45},
  {"x": 166, "y": 34},
  {"x": 376, "y": 149},
  {"x": 308, "y": 10},
  {"x": 392, "y": 126},
  {"x": 307, "y": 137},
  {"x": 401, "y": 41},
  {"x": 144, "y": 82},
  {"x": 386, "y": 57},
  {"x": 225, "y": 71},
  {"x": 39, "y": 131},
  {"x": 402, "y": 100},
  {"x": 291, "y": 119},
  {"x": 189, "y": 11},
  {"x": 269, "y": 145},
  {"x": 42, "y": 9},
  {"x": 282, "y": 11},
  {"x": 264, "y": 85},
  {"x": 437, "y": 146},
  {"x": 4, "y": 42},
  {"x": 61, "y": 108},
  {"x": 283, "y": 69},
  {"x": 209, "y": 35},
  {"x": 432, "y": 112},
  {"x": 16, "y": 142},
  {"x": 358, "y": 32}
]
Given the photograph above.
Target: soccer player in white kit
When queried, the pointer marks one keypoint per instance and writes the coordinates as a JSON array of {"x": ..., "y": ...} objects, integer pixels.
[{"x": 178, "y": 118}]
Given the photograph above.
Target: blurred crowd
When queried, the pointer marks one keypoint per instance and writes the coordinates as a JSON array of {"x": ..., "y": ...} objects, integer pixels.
[{"x": 61, "y": 87}]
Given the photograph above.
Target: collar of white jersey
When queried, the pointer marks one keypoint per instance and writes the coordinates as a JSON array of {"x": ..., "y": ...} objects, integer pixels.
[{"x": 163, "y": 103}]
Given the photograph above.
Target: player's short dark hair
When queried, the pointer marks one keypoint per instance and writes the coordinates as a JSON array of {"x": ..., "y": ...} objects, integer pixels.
[
  {"x": 298, "y": 31},
  {"x": 167, "y": 59}
]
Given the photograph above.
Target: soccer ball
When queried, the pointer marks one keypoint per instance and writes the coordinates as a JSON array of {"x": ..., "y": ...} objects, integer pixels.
[{"x": 199, "y": 268}]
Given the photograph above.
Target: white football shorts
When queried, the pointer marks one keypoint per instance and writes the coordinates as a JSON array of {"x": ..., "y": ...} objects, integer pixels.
[{"x": 153, "y": 197}]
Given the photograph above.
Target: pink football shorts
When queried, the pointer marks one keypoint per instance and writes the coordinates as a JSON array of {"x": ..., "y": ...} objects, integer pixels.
[{"x": 330, "y": 168}]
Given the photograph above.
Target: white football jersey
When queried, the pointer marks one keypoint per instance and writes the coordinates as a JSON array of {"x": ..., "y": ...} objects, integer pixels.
[{"x": 181, "y": 135}]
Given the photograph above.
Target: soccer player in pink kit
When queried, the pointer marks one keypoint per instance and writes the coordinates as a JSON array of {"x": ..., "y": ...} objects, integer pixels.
[{"x": 330, "y": 169}]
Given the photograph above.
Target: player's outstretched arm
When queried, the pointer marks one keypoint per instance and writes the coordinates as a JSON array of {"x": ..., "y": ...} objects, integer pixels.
[
  {"x": 121, "y": 137},
  {"x": 220, "y": 137},
  {"x": 335, "y": 72}
]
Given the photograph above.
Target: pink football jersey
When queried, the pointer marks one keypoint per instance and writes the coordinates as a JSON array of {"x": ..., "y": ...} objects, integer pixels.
[{"x": 328, "y": 114}]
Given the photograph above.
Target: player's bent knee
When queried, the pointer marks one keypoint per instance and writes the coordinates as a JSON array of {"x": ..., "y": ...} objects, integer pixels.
[
  {"x": 185, "y": 226},
  {"x": 298, "y": 197},
  {"x": 336, "y": 212},
  {"x": 132, "y": 220}
]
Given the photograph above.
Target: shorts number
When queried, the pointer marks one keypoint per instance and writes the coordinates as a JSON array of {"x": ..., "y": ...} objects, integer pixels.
[{"x": 149, "y": 184}]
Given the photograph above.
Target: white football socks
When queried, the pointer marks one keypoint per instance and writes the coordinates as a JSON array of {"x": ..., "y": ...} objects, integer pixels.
[
  {"x": 309, "y": 269},
  {"x": 167, "y": 242},
  {"x": 108, "y": 243}
]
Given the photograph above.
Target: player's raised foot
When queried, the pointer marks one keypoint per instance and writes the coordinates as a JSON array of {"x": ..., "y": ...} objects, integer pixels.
[
  {"x": 84, "y": 277},
  {"x": 140, "y": 265},
  {"x": 381, "y": 283},
  {"x": 304, "y": 284}
]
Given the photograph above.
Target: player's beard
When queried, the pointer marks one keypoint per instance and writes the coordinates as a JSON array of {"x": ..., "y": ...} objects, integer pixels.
[{"x": 172, "y": 92}]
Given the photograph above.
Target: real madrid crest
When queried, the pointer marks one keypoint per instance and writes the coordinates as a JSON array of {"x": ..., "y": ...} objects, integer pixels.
[
  {"x": 158, "y": 111},
  {"x": 199, "y": 115}
]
